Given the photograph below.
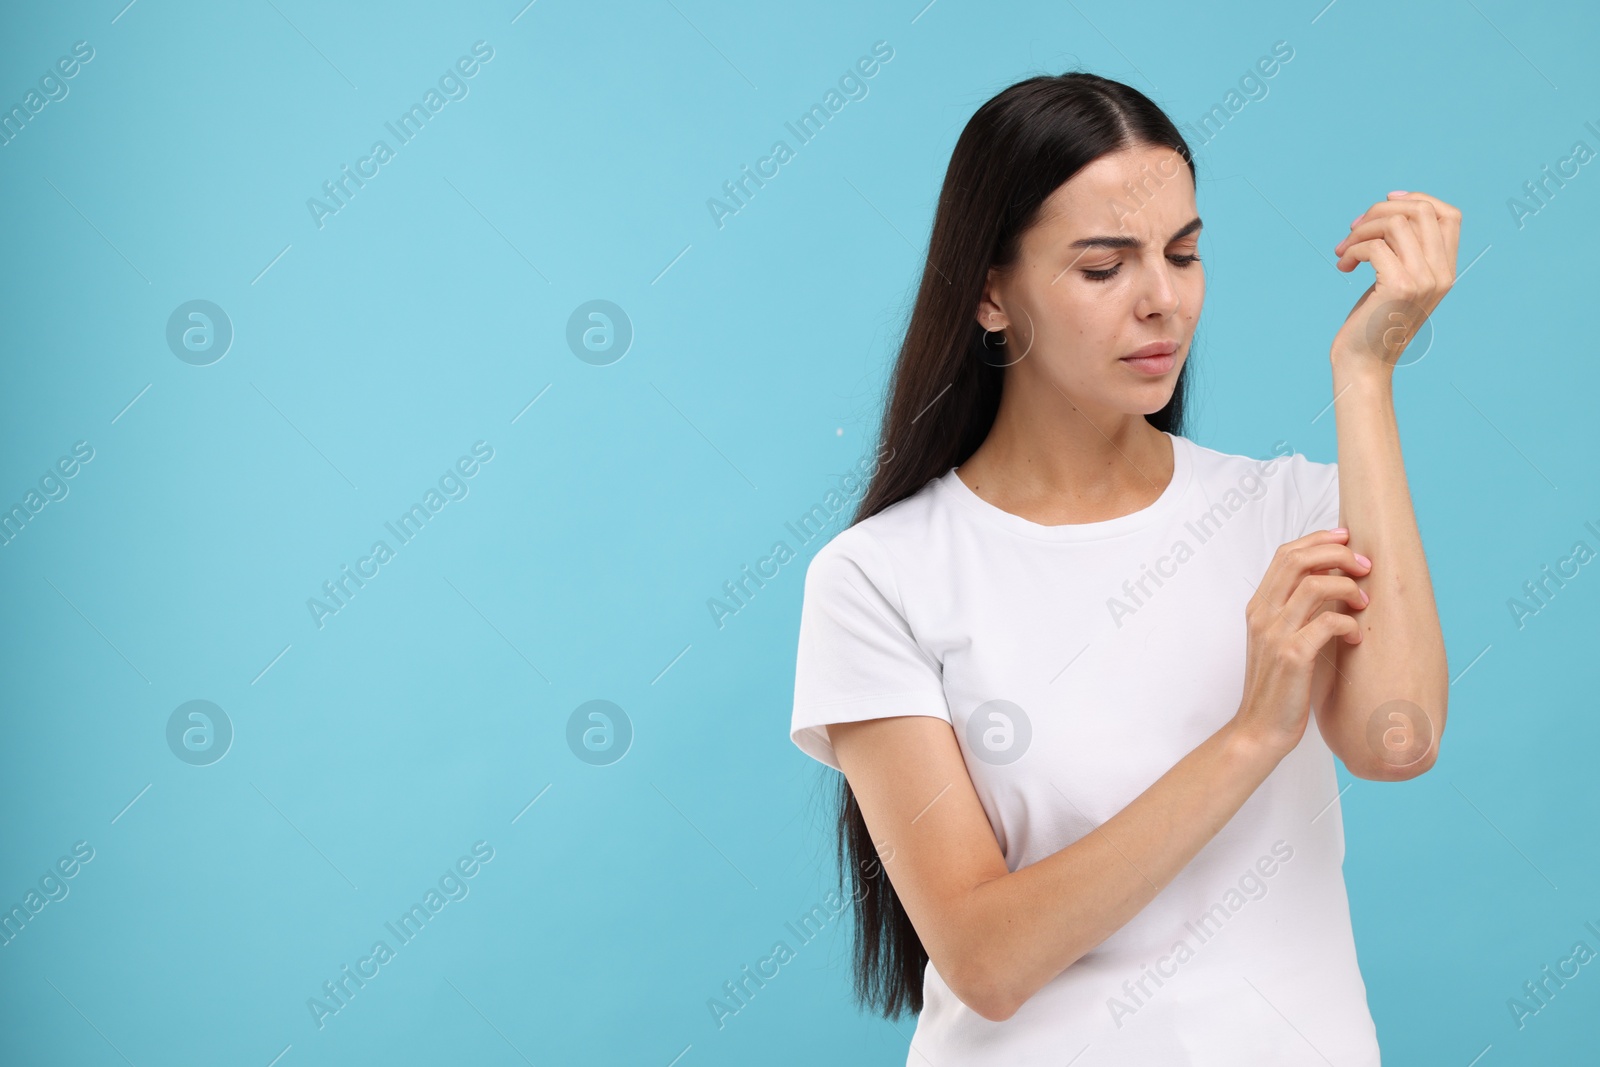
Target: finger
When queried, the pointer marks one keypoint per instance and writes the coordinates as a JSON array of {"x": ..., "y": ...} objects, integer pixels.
[
  {"x": 1376, "y": 211},
  {"x": 1316, "y": 590},
  {"x": 1449, "y": 217},
  {"x": 1331, "y": 624},
  {"x": 1367, "y": 225},
  {"x": 1320, "y": 556},
  {"x": 1397, "y": 205},
  {"x": 1289, "y": 572},
  {"x": 1382, "y": 220},
  {"x": 1391, "y": 272},
  {"x": 1318, "y": 537},
  {"x": 1402, "y": 236},
  {"x": 1441, "y": 264},
  {"x": 1318, "y": 550},
  {"x": 1392, "y": 227}
]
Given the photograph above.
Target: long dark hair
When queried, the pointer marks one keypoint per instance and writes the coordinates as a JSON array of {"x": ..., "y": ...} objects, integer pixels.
[{"x": 945, "y": 388}]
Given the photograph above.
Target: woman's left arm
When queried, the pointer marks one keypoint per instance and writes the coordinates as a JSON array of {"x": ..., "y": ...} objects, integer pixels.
[{"x": 1381, "y": 704}]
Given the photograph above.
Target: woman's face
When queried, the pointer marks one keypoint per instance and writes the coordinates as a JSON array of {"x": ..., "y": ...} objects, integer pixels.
[{"x": 1108, "y": 268}]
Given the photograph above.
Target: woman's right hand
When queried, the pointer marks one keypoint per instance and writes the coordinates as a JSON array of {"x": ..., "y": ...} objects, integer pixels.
[{"x": 1286, "y": 629}]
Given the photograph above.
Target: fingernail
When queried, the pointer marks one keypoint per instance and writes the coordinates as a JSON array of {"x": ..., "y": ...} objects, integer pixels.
[
  {"x": 1398, "y": 192},
  {"x": 1363, "y": 560},
  {"x": 1365, "y": 599},
  {"x": 1339, "y": 529},
  {"x": 1357, "y": 222}
]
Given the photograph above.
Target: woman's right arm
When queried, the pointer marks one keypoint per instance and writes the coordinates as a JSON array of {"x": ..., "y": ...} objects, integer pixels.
[{"x": 998, "y": 936}]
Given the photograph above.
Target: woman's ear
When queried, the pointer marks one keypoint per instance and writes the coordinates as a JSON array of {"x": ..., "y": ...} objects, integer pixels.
[{"x": 990, "y": 315}]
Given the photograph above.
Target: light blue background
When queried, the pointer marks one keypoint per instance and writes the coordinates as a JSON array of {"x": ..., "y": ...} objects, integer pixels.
[{"x": 432, "y": 310}]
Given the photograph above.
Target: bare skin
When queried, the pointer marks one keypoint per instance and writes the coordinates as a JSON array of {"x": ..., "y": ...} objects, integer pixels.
[{"x": 1070, "y": 444}]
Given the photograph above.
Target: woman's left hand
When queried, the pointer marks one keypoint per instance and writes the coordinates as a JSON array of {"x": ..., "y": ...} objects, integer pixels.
[{"x": 1410, "y": 239}]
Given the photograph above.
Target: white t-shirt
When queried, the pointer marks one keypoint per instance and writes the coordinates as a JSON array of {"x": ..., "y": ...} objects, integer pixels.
[{"x": 1076, "y": 665}]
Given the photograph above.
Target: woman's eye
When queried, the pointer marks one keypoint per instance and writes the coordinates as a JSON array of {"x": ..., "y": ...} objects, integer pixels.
[{"x": 1110, "y": 272}]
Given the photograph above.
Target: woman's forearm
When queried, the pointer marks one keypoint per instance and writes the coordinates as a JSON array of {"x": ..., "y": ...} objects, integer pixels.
[
  {"x": 1026, "y": 927},
  {"x": 1401, "y": 656}
]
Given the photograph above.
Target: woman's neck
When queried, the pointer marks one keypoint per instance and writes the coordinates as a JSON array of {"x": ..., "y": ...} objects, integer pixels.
[{"x": 1068, "y": 478}]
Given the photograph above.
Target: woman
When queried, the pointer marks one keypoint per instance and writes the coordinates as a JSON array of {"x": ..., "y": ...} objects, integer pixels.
[{"x": 1069, "y": 661}]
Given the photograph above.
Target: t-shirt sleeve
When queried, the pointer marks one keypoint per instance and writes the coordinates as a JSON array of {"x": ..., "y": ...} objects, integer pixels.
[
  {"x": 857, "y": 657},
  {"x": 1318, "y": 488}
]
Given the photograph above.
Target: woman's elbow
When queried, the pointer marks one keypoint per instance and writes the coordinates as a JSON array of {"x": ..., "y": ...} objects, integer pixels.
[
  {"x": 989, "y": 986},
  {"x": 1410, "y": 747},
  {"x": 986, "y": 997}
]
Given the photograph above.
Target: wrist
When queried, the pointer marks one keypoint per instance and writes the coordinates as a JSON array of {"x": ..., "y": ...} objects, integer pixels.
[
  {"x": 1360, "y": 368},
  {"x": 1253, "y": 746},
  {"x": 1362, "y": 379}
]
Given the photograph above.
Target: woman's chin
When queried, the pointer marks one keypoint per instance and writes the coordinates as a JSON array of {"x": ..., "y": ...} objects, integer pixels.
[{"x": 1149, "y": 398}]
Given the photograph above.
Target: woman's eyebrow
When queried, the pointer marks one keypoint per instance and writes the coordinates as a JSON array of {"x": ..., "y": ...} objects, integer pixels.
[{"x": 1129, "y": 241}]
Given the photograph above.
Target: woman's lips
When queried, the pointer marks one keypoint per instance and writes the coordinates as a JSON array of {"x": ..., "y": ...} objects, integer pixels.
[{"x": 1151, "y": 365}]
